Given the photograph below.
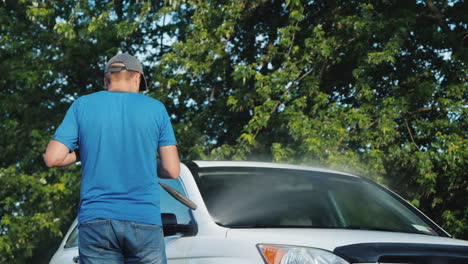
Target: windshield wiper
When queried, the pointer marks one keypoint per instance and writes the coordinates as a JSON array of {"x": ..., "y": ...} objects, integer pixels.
[
  {"x": 351, "y": 227},
  {"x": 270, "y": 226},
  {"x": 371, "y": 228}
]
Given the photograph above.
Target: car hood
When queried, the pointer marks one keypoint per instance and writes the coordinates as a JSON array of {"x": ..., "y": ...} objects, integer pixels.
[{"x": 330, "y": 239}]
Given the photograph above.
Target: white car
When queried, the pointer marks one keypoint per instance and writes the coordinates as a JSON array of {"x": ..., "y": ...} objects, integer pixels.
[{"x": 253, "y": 213}]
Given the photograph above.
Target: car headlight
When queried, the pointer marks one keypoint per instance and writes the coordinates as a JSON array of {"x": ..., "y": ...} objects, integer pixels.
[{"x": 283, "y": 254}]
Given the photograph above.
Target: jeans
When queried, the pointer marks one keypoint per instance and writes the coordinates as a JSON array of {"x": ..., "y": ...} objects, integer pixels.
[{"x": 114, "y": 241}]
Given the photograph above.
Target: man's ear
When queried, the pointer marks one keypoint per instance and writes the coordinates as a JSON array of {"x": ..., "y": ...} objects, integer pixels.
[
  {"x": 137, "y": 80},
  {"x": 106, "y": 84}
]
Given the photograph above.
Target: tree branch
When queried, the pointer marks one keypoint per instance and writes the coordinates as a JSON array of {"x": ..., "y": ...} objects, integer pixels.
[
  {"x": 292, "y": 41},
  {"x": 457, "y": 46},
  {"x": 440, "y": 17},
  {"x": 422, "y": 109},
  {"x": 411, "y": 134}
]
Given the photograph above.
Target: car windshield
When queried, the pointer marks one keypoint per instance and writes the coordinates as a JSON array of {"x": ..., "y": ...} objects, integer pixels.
[{"x": 249, "y": 197}]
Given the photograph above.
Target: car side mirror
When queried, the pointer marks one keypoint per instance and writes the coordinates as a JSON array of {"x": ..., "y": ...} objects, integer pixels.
[
  {"x": 169, "y": 222},
  {"x": 171, "y": 227}
]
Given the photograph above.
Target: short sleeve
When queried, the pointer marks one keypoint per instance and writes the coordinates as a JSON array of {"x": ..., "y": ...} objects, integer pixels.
[
  {"x": 67, "y": 132},
  {"x": 166, "y": 132}
]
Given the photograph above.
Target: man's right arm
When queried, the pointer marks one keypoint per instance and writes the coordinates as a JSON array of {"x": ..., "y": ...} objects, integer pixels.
[
  {"x": 169, "y": 164},
  {"x": 57, "y": 155}
]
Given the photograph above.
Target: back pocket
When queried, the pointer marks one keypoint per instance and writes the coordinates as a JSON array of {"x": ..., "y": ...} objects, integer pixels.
[
  {"x": 94, "y": 237},
  {"x": 150, "y": 241}
]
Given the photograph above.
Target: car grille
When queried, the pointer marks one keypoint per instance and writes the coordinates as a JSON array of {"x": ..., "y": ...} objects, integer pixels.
[
  {"x": 403, "y": 253},
  {"x": 386, "y": 263}
]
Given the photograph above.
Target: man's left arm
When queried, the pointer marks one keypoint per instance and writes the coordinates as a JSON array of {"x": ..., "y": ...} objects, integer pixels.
[
  {"x": 58, "y": 155},
  {"x": 62, "y": 149}
]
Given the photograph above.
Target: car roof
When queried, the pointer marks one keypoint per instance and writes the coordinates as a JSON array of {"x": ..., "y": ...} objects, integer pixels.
[{"x": 213, "y": 164}]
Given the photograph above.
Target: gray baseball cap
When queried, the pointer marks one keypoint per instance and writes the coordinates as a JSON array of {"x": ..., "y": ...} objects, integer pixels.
[{"x": 131, "y": 64}]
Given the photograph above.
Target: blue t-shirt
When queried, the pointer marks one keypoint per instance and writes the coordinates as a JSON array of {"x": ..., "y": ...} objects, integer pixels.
[{"x": 118, "y": 134}]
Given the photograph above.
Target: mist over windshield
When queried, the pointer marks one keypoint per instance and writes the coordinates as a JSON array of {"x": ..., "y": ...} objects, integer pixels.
[{"x": 246, "y": 197}]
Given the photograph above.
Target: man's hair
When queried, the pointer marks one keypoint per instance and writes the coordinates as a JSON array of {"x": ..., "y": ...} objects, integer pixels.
[{"x": 117, "y": 76}]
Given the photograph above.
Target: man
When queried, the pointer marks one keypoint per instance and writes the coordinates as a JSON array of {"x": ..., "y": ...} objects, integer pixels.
[{"x": 118, "y": 132}]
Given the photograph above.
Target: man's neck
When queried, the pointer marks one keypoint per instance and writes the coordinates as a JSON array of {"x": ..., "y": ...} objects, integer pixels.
[{"x": 122, "y": 88}]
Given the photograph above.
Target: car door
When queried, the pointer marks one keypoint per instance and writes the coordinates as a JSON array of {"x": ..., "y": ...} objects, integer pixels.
[
  {"x": 68, "y": 250},
  {"x": 176, "y": 245}
]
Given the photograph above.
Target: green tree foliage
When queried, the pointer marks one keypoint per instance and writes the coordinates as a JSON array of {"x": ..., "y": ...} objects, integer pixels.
[
  {"x": 51, "y": 53},
  {"x": 373, "y": 87},
  {"x": 377, "y": 88}
]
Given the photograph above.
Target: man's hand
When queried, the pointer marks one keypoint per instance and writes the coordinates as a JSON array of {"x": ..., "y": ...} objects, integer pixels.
[
  {"x": 169, "y": 165},
  {"x": 57, "y": 155}
]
